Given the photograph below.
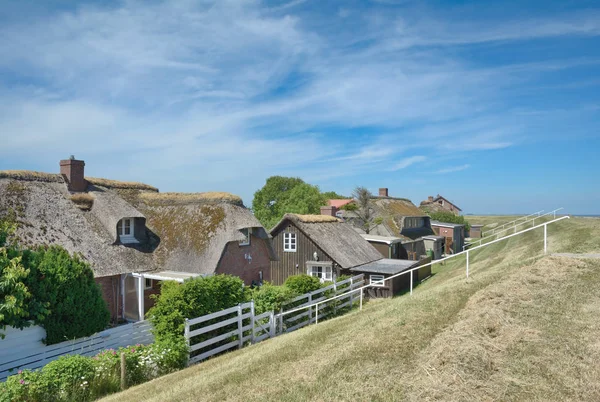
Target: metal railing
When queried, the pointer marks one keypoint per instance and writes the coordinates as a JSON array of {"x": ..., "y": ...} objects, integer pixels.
[
  {"x": 511, "y": 222},
  {"x": 466, "y": 252},
  {"x": 532, "y": 220}
]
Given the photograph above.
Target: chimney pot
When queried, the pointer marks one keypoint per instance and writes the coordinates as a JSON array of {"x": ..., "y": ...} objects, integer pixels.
[
  {"x": 430, "y": 198},
  {"x": 383, "y": 192},
  {"x": 73, "y": 172}
]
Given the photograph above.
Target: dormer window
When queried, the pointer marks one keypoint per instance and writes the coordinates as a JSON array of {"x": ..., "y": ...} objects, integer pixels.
[
  {"x": 125, "y": 229},
  {"x": 246, "y": 232}
]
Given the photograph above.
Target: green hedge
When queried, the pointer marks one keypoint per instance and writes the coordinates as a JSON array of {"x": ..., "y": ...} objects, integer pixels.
[
  {"x": 193, "y": 298},
  {"x": 80, "y": 378},
  {"x": 53, "y": 289}
]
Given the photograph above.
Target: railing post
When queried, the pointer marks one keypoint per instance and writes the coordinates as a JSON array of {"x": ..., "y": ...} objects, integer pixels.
[
  {"x": 545, "y": 239},
  {"x": 240, "y": 325},
  {"x": 317, "y": 313},
  {"x": 334, "y": 303},
  {"x": 411, "y": 281},
  {"x": 467, "y": 263},
  {"x": 252, "y": 321},
  {"x": 186, "y": 334},
  {"x": 351, "y": 294},
  {"x": 361, "y": 297},
  {"x": 309, "y": 309},
  {"x": 272, "y": 330}
]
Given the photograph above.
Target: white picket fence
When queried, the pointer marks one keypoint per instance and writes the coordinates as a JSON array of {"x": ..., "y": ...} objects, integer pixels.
[
  {"x": 238, "y": 326},
  {"x": 23, "y": 349}
]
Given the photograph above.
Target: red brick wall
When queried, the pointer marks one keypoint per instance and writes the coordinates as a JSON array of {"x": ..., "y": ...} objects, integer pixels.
[
  {"x": 233, "y": 260},
  {"x": 111, "y": 293},
  {"x": 149, "y": 302}
]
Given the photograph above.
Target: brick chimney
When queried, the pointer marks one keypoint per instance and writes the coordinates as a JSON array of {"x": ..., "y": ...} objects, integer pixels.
[
  {"x": 430, "y": 198},
  {"x": 72, "y": 170},
  {"x": 383, "y": 192},
  {"x": 329, "y": 210}
]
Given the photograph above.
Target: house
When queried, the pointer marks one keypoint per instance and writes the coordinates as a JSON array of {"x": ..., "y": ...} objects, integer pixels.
[
  {"x": 378, "y": 271},
  {"x": 454, "y": 234},
  {"x": 475, "y": 231},
  {"x": 319, "y": 245},
  {"x": 325, "y": 247},
  {"x": 437, "y": 245},
  {"x": 132, "y": 235},
  {"x": 388, "y": 246},
  {"x": 400, "y": 218},
  {"x": 439, "y": 203}
]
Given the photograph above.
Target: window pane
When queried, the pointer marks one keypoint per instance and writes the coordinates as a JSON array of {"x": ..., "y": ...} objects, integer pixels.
[
  {"x": 120, "y": 227},
  {"x": 127, "y": 227}
]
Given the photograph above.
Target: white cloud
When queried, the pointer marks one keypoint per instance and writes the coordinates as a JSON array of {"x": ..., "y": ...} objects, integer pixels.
[
  {"x": 453, "y": 169},
  {"x": 243, "y": 91},
  {"x": 406, "y": 162}
]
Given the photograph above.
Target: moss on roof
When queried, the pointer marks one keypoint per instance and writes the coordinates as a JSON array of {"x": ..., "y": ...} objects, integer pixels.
[
  {"x": 120, "y": 184},
  {"x": 29, "y": 175},
  {"x": 315, "y": 218},
  {"x": 84, "y": 201},
  {"x": 189, "y": 198}
]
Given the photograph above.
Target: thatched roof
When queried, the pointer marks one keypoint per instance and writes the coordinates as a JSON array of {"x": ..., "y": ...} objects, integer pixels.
[
  {"x": 186, "y": 232},
  {"x": 393, "y": 212},
  {"x": 131, "y": 185},
  {"x": 336, "y": 238}
]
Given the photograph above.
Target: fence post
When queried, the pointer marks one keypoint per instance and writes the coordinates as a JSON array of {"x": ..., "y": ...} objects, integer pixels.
[
  {"x": 240, "y": 325},
  {"x": 351, "y": 293},
  {"x": 281, "y": 321},
  {"x": 186, "y": 334},
  {"x": 309, "y": 309},
  {"x": 317, "y": 313},
  {"x": 123, "y": 372},
  {"x": 361, "y": 297},
  {"x": 545, "y": 239},
  {"x": 334, "y": 303},
  {"x": 411, "y": 281},
  {"x": 272, "y": 330},
  {"x": 252, "y": 321},
  {"x": 467, "y": 263}
]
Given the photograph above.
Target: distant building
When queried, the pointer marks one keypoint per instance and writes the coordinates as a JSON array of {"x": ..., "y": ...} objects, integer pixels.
[
  {"x": 439, "y": 203},
  {"x": 454, "y": 233}
]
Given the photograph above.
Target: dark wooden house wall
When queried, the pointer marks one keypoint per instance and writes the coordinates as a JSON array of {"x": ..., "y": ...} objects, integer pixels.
[
  {"x": 383, "y": 248},
  {"x": 286, "y": 266}
]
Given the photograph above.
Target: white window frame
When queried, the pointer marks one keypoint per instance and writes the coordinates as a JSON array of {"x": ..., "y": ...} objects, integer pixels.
[
  {"x": 326, "y": 272},
  {"x": 377, "y": 280},
  {"x": 127, "y": 238},
  {"x": 288, "y": 245},
  {"x": 146, "y": 286},
  {"x": 247, "y": 232}
]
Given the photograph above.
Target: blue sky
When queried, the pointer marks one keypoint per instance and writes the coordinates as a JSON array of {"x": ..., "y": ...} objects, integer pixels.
[{"x": 495, "y": 105}]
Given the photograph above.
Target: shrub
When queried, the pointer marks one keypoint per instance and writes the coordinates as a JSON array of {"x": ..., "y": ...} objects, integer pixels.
[
  {"x": 270, "y": 297},
  {"x": 301, "y": 284},
  {"x": 449, "y": 217},
  {"x": 53, "y": 289},
  {"x": 168, "y": 355},
  {"x": 69, "y": 377},
  {"x": 27, "y": 385},
  {"x": 65, "y": 285},
  {"x": 193, "y": 298}
]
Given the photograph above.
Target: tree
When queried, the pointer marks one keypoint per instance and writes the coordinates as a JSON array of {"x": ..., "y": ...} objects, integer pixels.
[
  {"x": 281, "y": 195},
  {"x": 364, "y": 209},
  {"x": 332, "y": 195}
]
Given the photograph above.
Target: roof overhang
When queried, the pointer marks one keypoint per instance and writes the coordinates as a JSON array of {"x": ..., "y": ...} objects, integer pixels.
[
  {"x": 446, "y": 225},
  {"x": 167, "y": 275},
  {"x": 387, "y": 266},
  {"x": 381, "y": 239}
]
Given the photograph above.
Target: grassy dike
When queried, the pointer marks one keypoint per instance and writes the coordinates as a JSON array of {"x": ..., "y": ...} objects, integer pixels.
[{"x": 523, "y": 327}]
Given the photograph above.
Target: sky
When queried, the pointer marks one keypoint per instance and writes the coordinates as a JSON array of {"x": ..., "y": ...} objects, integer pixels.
[{"x": 494, "y": 105}]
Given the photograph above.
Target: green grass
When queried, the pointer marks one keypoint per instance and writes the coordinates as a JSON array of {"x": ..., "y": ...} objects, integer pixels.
[{"x": 523, "y": 327}]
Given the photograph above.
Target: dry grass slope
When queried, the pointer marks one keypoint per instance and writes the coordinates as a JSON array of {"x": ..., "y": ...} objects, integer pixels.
[{"x": 522, "y": 327}]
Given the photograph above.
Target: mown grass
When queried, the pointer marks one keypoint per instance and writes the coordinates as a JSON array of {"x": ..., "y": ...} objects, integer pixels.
[{"x": 522, "y": 327}]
